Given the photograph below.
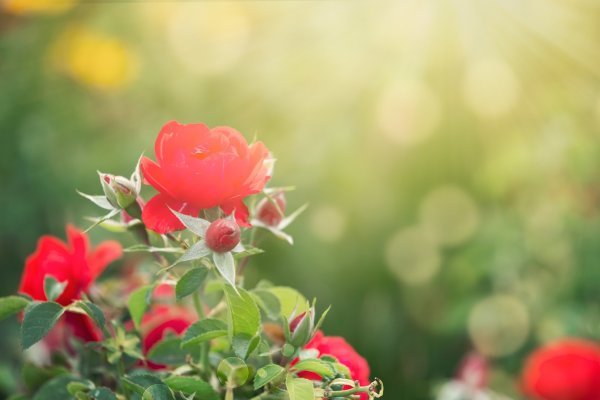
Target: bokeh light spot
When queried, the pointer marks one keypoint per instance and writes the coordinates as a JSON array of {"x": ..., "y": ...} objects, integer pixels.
[{"x": 328, "y": 223}]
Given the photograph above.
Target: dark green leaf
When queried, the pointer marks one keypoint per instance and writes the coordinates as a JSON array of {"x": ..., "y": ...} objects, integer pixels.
[
  {"x": 267, "y": 374},
  {"x": 11, "y": 305},
  {"x": 94, "y": 312},
  {"x": 138, "y": 383},
  {"x": 198, "y": 250},
  {"x": 190, "y": 282},
  {"x": 168, "y": 351},
  {"x": 103, "y": 393},
  {"x": 189, "y": 385},
  {"x": 34, "y": 376},
  {"x": 243, "y": 344},
  {"x": 56, "y": 388},
  {"x": 204, "y": 330},
  {"x": 53, "y": 288},
  {"x": 38, "y": 321},
  {"x": 158, "y": 392}
]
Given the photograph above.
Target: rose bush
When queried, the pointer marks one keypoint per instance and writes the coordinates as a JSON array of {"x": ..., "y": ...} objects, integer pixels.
[{"x": 183, "y": 325}]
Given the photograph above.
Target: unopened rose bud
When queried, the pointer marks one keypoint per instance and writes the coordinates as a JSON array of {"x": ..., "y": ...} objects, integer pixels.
[
  {"x": 271, "y": 211},
  {"x": 119, "y": 191},
  {"x": 223, "y": 235},
  {"x": 301, "y": 328}
]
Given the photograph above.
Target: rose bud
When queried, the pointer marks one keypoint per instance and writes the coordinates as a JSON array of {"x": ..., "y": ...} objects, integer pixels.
[
  {"x": 271, "y": 211},
  {"x": 301, "y": 328},
  {"x": 223, "y": 235},
  {"x": 119, "y": 191}
]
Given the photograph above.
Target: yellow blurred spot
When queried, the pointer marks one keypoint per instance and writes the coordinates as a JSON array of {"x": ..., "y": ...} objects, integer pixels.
[
  {"x": 408, "y": 112},
  {"x": 413, "y": 256},
  {"x": 23, "y": 7},
  {"x": 498, "y": 325},
  {"x": 208, "y": 37},
  {"x": 450, "y": 214},
  {"x": 328, "y": 223},
  {"x": 94, "y": 59},
  {"x": 491, "y": 88}
]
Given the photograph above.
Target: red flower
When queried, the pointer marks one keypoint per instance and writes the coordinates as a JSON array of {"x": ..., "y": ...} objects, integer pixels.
[
  {"x": 160, "y": 320},
  {"x": 565, "y": 370},
  {"x": 72, "y": 324},
  {"x": 338, "y": 347},
  {"x": 74, "y": 262},
  {"x": 200, "y": 168}
]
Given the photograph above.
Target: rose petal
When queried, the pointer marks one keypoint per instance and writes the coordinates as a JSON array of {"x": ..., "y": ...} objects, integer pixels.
[
  {"x": 157, "y": 214},
  {"x": 105, "y": 253},
  {"x": 241, "y": 211}
]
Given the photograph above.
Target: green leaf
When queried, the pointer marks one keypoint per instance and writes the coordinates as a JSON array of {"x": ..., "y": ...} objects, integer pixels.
[
  {"x": 94, "y": 312},
  {"x": 35, "y": 376},
  {"x": 249, "y": 251},
  {"x": 226, "y": 266},
  {"x": 56, "y": 388},
  {"x": 169, "y": 351},
  {"x": 267, "y": 374},
  {"x": 101, "y": 201},
  {"x": 198, "y": 250},
  {"x": 243, "y": 316},
  {"x": 189, "y": 385},
  {"x": 100, "y": 220},
  {"x": 203, "y": 330},
  {"x": 77, "y": 386},
  {"x": 290, "y": 218},
  {"x": 233, "y": 372},
  {"x": 268, "y": 302},
  {"x": 290, "y": 300},
  {"x": 138, "y": 383},
  {"x": 137, "y": 304},
  {"x": 196, "y": 225},
  {"x": 152, "y": 249},
  {"x": 53, "y": 288},
  {"x": 38, "y": 321},
  {"x": 299, "y": 388},
  {"x": 317, "y": 366},
  {"x": 11, "y": 305},
  {"x": 243, "y": 344},
  {"x": 158, "y": 392},
  {"x": 190, "y": 282},
  {"x": 103, "y": 393}
]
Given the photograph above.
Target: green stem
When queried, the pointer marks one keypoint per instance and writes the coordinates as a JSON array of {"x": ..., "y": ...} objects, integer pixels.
[
  {"x": 121, "y": 371},
  {"x": 347, "y": 392},
  {"x": 205, "y": 349}
]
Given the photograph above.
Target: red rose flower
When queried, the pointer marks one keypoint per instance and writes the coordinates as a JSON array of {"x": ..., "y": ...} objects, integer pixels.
[
  {"x": 565, "y": 370},
  {"x": 338, "y": 347},
  {"x": 71, "y": 325},
  {"x": 160, "y": 320},
  {"x": 73, "y": 262},
  {"x": 199, "y": 168}
]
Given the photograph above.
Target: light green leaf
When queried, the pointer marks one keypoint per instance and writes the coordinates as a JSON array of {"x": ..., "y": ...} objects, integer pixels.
[
  {"x": 101, "y": 201},
  {"x": 290, "y": 218},
  {"x": 299, "y": 388},
  {"x": 248, "y": 251},
  {"x": 204, "y": 330},
  {"x": 190, "y": 282},
  {"x": 244, "y": 316},
  {"x": 103, "y": 393},
  {"x": 11, "y": 305},
  {"x": 53, "y": 288},
  {"x": 38, "y": 321},
  {"x": 189, "y": 385},
  {"x": 317, "y": 366},
  {"x": 137, "y": 304},
  {"x": 233, "y": 372},
  {"x": 196, "y": 225},
  {"x": 268, "y": 302},
  {"x": 267, "y": 374},
  {"x": 198, "y": 250},
  {"x": 138, "y": 383},
  {"x": 226, "y": 266},
  {"x": 102, "y": 219},
  {"x": 290, "y": 300}
]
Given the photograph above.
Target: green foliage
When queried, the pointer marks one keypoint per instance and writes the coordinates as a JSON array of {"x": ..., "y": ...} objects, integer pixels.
[
  {"x": 299, "y": 388},
  {"x": 190, "y": 282},
  {"x": 138, "y": 303},
  {"x": 38, "y": 321},
  {"x": 204, "y": 330},
  {"x": 11, "y": 305},
  {"x": 190, "y": 385},
  {"x": 268, "y": 373}
]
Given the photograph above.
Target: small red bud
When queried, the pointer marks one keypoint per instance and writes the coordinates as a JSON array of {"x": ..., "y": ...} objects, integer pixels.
[
  {"x": 296, "y": 321},
  {"x": 222, "y": 235},
  {"x": 271, "y": 212}
]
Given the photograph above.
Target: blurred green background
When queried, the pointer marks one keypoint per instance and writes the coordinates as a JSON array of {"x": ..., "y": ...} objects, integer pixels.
[{"x": 449, "y": 150}]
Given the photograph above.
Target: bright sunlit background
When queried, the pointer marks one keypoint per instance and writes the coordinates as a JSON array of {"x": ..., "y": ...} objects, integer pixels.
[{"x": 449, "y": 150}]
